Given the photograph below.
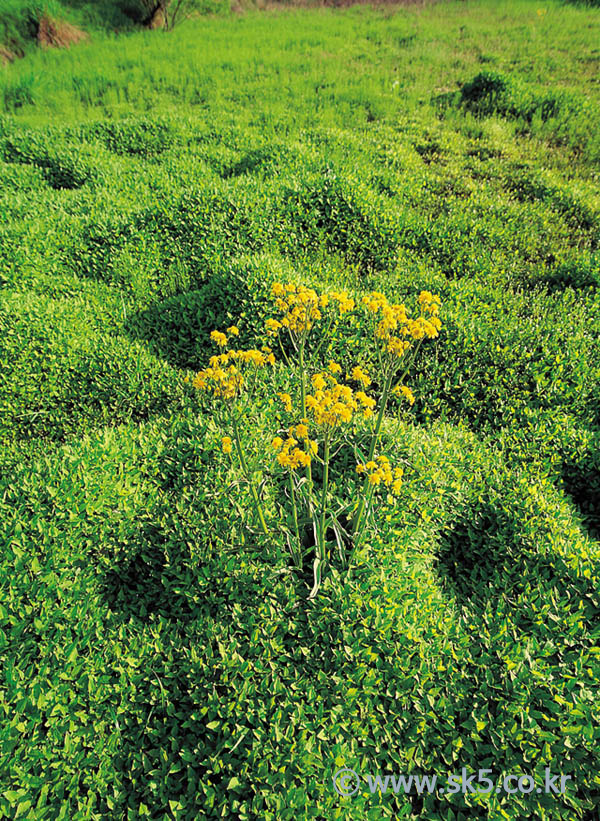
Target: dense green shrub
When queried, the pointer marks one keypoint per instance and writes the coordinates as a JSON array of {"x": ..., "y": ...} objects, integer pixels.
[
  {"x": 63, "y": 166},
  {"x": 490, "y": 370},
  {"x": 476, "y": 610},
  {"x": 178, "y": 329},
  {"x": 561, "y": 115},
  {"x": 490, "y": 92},
  {"x": 61, "y": 378},
  {"x": 581, "y": 271},
  {"x": 158, "y": 658},
  {"x": 142, "y": 137},
  {"x": 337, "y": 212}
]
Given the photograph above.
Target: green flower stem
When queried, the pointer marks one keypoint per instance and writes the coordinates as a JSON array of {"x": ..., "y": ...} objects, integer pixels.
[
  {"x": 243, "y": 463},
  {"x": 304, "y": 416},
  {"x": 324, "y": 498},
  {"x": 302, "y": 382},
  {"x": 295, "y": 514},
  {"x": 376, "y": 431}
]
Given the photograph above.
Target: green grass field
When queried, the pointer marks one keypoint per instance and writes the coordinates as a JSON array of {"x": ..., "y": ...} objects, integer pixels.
[{"x": 159, "y": 659}]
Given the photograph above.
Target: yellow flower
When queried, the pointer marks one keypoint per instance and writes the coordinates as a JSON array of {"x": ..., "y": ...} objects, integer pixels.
[
  {"x": 226, "y": 444},
  {"x": 361, "y": 376},
  {"x": 233, "y": 331},
  {"x": 374, "y": 478},
  {"x": 376, "y": 299},
  {"x": 219, "y": 338},
  {"x": 365, "y": 400},
  {"x": 287, "y": 401},
  {"x": 283, "y": 457},
  {"x": 397, "y": 346},
  {"x": 360, "y": 468},
  {"x": 299, "y": 458},
  {"x": 344, "y": 302},
  {"x": 277, "y": 443},
  {"x": 272, "y": 326},
  {"x": 301, "y": 431},
  {"x": 318, "y": 382},
  {"x": 371, "y": 465},
  {"x": 396, "y": 486},
  {"x": 335, "y": 368},
  {"x": 407, "y": 394}
]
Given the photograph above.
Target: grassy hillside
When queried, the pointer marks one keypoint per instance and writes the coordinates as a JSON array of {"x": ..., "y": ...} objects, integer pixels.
[
  {"x": 159, "y": 658},
  {"x": 20, "y": 20}
]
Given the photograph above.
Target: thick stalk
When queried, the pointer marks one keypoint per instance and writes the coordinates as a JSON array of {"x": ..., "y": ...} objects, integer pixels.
[
  {"x": 298, "y": 557},
  {"x": 323, "y": 509},
  {"x": 375, "y": 436},
  {"x": 246, "y": 472},
  {"x": 302, "y": 381},
  {"x": 303, "y": 404}
]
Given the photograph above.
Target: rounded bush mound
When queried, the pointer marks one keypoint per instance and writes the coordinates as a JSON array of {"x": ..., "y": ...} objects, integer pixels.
[
  {"x": 64, "y": 378},
  {"x": 487, "y": 93},
  {"x": 64, "y": 165},
  {"x": 134, "y": 136},
  {"x": 343, "y": 216},
  {"x": 178, "y": 329},
  {"x": 511, "y": 353}
]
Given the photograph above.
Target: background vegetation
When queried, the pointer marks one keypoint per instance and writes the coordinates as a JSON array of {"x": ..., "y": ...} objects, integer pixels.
[{"x": 157, "y": 661}]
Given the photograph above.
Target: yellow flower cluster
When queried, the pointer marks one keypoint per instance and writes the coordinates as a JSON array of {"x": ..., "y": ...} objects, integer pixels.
[
  {"x": 360, "y": 376},
  {"x": 287, "y": 401},
  {"x": 223, "y": 383},
  {"x": 332, "y": 402},
  {"x": 220, "y": 338},
  {"x": 342, "y": 301},
  {"x": 395, "y": 328},
  {"x": 366, "y": 402},
  {"x": 226, "y": 444},
  {"x": 429, "y": 302},
  {"x": 380, "y": 471},
  {"x": 405, "y": 392},
  {"x": 223, "y": 377},
  {"x": 301, "y": 307},
  {"x": 291, "y": 456}
]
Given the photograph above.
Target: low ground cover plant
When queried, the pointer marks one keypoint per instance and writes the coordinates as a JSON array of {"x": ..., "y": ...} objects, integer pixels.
[{"x": 161, "y": 654}]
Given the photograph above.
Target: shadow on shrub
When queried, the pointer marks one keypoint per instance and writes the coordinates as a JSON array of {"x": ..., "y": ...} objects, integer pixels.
[
  {"x": 483, "y": 559},
  {"x": 63, "y": 166},
  {"x": 150, "y": 581},
  {"x": 580, "y": 272},
  {"x": 581, "y": 480},
  {"x": 178, "y": 329}
]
